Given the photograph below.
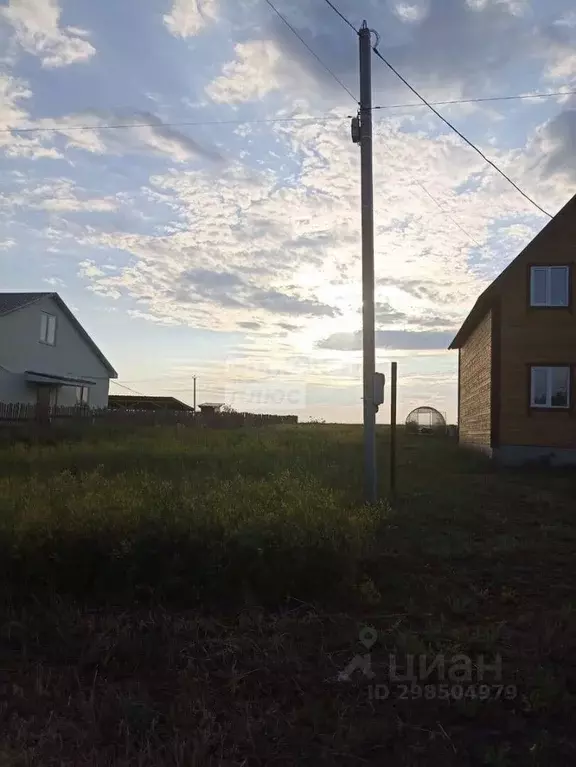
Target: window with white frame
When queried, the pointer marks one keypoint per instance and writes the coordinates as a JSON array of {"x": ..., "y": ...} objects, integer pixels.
[
  {"x": 549, "y": 285},
  {"x": 48, "y": 329},
  {"x": 82, "y": 395},
  {"x": 550, "y": 387}
]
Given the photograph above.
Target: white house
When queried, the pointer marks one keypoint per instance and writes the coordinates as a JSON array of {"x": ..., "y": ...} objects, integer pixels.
[{"x": 46, "y": 356}]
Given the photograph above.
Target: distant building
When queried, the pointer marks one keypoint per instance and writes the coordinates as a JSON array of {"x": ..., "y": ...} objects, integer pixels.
[
  {"x": 46, "y": 357},
  {"x": 209, "y": 408},
  {"x": 144, "y": 402}
]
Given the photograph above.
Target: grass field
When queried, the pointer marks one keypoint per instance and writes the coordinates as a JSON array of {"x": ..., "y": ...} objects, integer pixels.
[{"x": 182, "y": 597}]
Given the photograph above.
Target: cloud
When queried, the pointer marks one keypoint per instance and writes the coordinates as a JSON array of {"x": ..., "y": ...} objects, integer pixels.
[
  {"x": 492, "y": 40},
  {"x": 446, "y": 292},
  {"x": 387, "y": 315},
  {"x": 254, "y": 243},
  {"x": 250, "y": 325},
  {"x": 55, "y": 282},
  {"x": 37, "y": 30},
  {"x": 250, "y": 77},
  {"x": 144, "y": 132},
  {"x": 56, "y": 195},
  {"x": 555, "y": 145},
  {"x": 412, "y": 340},
  {"x": 230, "y": 290},
  {"x": 189, "y": 17},
  {"x": 14, "y": 93},
  {"x": 282, "y": 303}
]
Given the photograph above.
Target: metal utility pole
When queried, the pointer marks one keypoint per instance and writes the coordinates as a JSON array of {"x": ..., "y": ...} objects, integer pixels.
[
  {"x": 368, "y": 315},
  {"x": 194, "y": 393}
]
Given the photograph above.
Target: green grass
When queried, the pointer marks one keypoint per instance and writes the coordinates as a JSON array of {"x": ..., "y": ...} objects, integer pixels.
[
  {"x": 183, "y": 517},
  {"x": 180, "y": 597}
]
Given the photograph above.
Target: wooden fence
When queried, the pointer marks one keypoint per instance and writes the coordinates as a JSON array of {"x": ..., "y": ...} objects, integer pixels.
[{"x": 20, "y": 412}]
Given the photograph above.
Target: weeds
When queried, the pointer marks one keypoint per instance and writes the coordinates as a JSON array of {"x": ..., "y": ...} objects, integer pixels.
[{"x": 190, "y": 598}]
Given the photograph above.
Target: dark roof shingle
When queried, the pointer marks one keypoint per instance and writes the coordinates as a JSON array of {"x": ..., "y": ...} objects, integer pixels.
[{"x": 9, "y": 302}]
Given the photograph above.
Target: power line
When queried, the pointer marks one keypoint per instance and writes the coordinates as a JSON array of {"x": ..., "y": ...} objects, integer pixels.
[
  {"x": 339, "y": 13},
  {"x": 439, "y": 205},
  {"x": 174, "y": 124},
  {"x": 448, "y": 214},
  {"x": 481, "y": 100},
  {"x": 139, "y": 393},
  {"x": 305, "y": 44},
  {"x": 459, "y": 133},
  {"x": 271, "y": 120}
]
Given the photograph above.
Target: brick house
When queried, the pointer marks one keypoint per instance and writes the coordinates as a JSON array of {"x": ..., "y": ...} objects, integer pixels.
[{"x": 517, "y": 354}]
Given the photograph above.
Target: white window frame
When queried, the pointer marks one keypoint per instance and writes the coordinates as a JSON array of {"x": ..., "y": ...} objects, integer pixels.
[
  {"x": 80, "y": 400},
  {"x": 549, "y": 370},
  {"x": 548, "y": 272},
  {"x": 48, "y": 321}
]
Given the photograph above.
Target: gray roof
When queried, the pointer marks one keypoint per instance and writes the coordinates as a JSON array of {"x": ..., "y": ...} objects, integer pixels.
[{"x": 11, "y": 302}]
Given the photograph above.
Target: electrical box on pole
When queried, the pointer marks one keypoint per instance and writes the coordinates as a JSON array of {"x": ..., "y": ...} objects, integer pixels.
[
  {"x": 379, "y": 385},
  {"x": 355, "y": 130}
]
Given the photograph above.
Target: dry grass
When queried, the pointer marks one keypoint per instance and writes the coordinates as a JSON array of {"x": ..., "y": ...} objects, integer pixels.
[{"x": 244, "y": 672}]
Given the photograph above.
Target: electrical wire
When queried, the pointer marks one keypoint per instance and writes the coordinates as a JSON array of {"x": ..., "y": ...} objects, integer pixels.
[
  {"x": 271, "y": 120},
  {"x": 139, "y": 393},
  {"x": 480, "y": 100},
  {"x": 459, "y": 133},
  {"x": 439, "y": 205},
  {"x": 448, "y": 214},
  {"x": 339, "y": 13},
  {"x": 311, "y": 50},
  {"x": 175, "y": 124}
]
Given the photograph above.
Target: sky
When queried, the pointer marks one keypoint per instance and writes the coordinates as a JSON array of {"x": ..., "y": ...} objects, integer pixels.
[{"x": 217, "y": 232}]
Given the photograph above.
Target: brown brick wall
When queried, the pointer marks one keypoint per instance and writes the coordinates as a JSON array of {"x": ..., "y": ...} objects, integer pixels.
[
  {"x": 475, "y": 385},
  {"x": 535, "y": 336}
]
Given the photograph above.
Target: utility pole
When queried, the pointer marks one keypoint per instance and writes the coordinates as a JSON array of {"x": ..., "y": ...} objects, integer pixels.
[
  {"x": 362, "y": 134},
  {"x": 194, "y": 393}
]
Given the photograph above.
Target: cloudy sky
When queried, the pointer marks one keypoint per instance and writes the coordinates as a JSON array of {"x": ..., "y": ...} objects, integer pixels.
[{"x": 217, "y": 232}]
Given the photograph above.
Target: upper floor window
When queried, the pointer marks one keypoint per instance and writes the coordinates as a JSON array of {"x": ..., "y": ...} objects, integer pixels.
[
  {"x": 550, "y": 386},
  {"x": 48, "y": 328},
  {"x": 549, "y": 285}
]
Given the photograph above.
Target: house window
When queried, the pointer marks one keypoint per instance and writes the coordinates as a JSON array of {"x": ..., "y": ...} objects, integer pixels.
[
  {"x": 549, "y": 285},
  {"x": 550, "y": 387},
  {"x": 48, "y": 329},
  {"x": 82, "y": 395}
]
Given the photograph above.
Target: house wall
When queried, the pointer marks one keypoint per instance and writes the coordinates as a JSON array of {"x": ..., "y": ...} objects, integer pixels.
[
  {"x": 475, "y": 386},
  {"x": 537, "y": 336},
  {"x": 21, "y": 350}
]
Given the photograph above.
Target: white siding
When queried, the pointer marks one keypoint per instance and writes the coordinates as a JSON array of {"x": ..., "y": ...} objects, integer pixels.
[{"x": 71, "y": 356}]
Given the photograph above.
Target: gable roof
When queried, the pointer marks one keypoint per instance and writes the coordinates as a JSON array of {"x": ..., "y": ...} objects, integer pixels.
[
  {"x": 485, "y": 300},
  {"x": 12, "y": 302}
]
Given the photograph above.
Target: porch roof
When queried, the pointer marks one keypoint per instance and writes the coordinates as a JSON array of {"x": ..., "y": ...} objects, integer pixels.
[{"x": 47, "y": 378}]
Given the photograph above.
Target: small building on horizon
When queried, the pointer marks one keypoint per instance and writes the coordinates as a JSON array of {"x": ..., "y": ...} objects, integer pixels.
[
  {"x": 146, "y": 402},
  {"x": 211, "y": 408}
]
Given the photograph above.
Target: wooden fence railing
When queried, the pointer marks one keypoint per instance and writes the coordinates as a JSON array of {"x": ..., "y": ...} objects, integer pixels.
[{"x": 21, "y": 412}]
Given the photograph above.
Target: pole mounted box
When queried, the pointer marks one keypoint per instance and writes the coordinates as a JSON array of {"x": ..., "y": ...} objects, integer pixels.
[
  {"x": 356, "y": 131},
  {"x": 379, "y": 386}
]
